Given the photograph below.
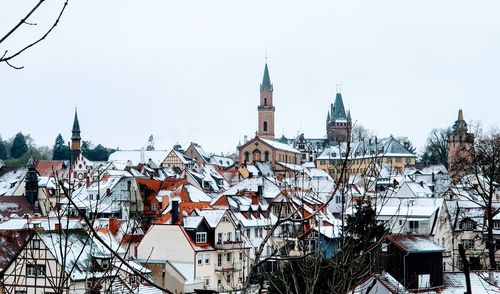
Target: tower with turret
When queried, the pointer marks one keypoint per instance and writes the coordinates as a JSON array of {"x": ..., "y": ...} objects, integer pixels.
[
  {"x": 460, "y": 141},
  {"x": 338, "y": 122},
  {"x": 266, "y": 108}
]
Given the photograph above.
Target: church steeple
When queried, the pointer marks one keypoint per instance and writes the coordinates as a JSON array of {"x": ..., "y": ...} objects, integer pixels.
[
  {"x": 266, "y": 108},
  {"x": 75, "y": 137},
  {"x": 266, "y": 80}
]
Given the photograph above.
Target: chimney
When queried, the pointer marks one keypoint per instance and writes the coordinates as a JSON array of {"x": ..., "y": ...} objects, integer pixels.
[
  {"x": 164, "y": 202},
  {"x": 260, "y": 190},
  {"x": 175, "y": 211},
  {"x": 113, "y": 225}
]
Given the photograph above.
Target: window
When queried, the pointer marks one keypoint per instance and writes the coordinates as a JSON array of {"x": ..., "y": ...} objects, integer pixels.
[
  {"x": 247, "y": 156},
  {"x": 468, "y": 243},
  {"x": 219, "y": 238},
  {"x": 241, "y": 256},
  {"x": 219, "y": 282},
  {"x": 260, "y": 232},
  {"x": 201, "y": 237},
  {"x": 154, "y": 206},
  {"x": 413, "y": 226},
  {"x": 36, "y": 244},
  {"x": 256, "y": 231},
  {"x": 21, "y": 292},
  {"x": 228, "y": 257},
  {"x": 266, "y": 155},
  {"x": 35, "y": 270},
  {"x": 219, "y": 259},
  {"x": 265, "y": 126},
  {"x": 265, "y": 101},
  {"x": 228, "y": 278},
  {"x": 496, "y": 224},
  {"x": 207, "y": 280},
  {"x": 468, "y": 225},
  {"x": 229, "y": 236},
  {"x": 199, "y": 259},
  {"x": 207, "y": 258},
  {"x": 224, "y": 219}
]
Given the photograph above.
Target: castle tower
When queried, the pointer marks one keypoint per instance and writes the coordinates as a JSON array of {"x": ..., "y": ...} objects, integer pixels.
[
  {"x": 31, "y": 183},
  {"x": 75, "y": 138},
  {"x": 338, "y": 123},
  {"x": 266, "y": 108},
  {"x": 460, "y": 142}
]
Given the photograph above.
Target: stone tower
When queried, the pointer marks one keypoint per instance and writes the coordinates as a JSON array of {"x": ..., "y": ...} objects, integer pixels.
[
  {"x": 338, "y": 123},
  {"x": 460, "y": 142},
  {"x": 266, "y": 108},
  {"x": 75, "y": 138}
]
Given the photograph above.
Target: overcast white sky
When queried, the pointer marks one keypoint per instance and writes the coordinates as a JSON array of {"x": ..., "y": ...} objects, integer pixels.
[{"x": 190, "y": 70}]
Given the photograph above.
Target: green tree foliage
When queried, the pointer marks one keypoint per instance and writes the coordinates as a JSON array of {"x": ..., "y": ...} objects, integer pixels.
[
  {"x": 23, "y": 159},
  {"x": 3, "y": 150},
  {"x": 60, "y": 150},
  {"x": 97, "y": 153},
  {"x": 436, "y": 148},
  {"x": 19, "y": 146}
]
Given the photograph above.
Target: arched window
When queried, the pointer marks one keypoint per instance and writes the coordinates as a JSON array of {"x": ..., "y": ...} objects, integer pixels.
[
  {"x": 247, "y": 156},
  {"x": 266, "y": 156},
  {"x": 256, "y": 155},
  {"x": 265, "y": 101},
  {"x": 265, "y": 126}
]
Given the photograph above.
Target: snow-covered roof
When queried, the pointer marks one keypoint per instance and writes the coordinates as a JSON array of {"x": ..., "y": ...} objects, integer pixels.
[
  {"x": 78, "y": 249},
  {"x": 196, "y": 195},
  {"x": 212, "y": 216},
  {"x": 416, "y": 244},
  {"x": 192, "y": 222},
  {"x": 10, "y": 181},
  {"x": 280, "y": 146}
]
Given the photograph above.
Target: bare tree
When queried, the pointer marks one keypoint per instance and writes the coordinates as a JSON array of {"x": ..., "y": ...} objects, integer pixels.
[
  {"x": 8, "y": 55},
  {"x": 476, "y": 168},
  {"x": 436, "y": 148}
]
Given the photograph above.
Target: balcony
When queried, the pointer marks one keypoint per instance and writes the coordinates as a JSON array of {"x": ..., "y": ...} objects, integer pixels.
[
  {"x": 228, "y": 245},
  {"x": 229, "y": 267}
]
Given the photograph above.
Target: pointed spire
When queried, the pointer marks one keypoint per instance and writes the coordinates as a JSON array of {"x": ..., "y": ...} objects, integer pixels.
[
  {"x": 266, "y": 80},
  {"x": 76, "y": 128},
  {"x": 460, "y": 125},
  {"x": 339, "y": 110},
  {"x": 328, "y": 117}
]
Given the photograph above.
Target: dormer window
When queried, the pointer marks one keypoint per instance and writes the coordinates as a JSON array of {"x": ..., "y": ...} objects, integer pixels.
[
  {"x": 468, "y": 225},
  {"x": 201, "y": 237}
]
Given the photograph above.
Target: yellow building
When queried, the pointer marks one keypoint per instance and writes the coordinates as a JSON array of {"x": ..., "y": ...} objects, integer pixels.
[{"x": 364, "y": 155}]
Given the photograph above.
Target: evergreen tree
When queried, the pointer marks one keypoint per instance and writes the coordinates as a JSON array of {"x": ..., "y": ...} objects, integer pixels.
[
  {"x": 61, "y": 150},
  {"x": 19, "y": 146},
  {"x": 3, "y": 150}
]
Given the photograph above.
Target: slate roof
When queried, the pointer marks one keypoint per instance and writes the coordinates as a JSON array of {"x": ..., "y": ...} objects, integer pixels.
[{"x": 266, "y": 80}]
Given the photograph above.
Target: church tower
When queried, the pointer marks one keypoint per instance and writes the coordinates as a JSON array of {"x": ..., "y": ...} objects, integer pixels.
[
  {"x": 75, "y": 138},
  {"x": 460, "y": 141},
  {"x": 338, "y": 123},
  {"x": 266, "y": 108}
]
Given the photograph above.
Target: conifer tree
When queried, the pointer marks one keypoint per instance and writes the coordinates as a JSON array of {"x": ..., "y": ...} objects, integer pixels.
[
  {"x": 3, "y": 150},
  {"x": 60, "y": 151},
  {"x": 19, "y": 146}
]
